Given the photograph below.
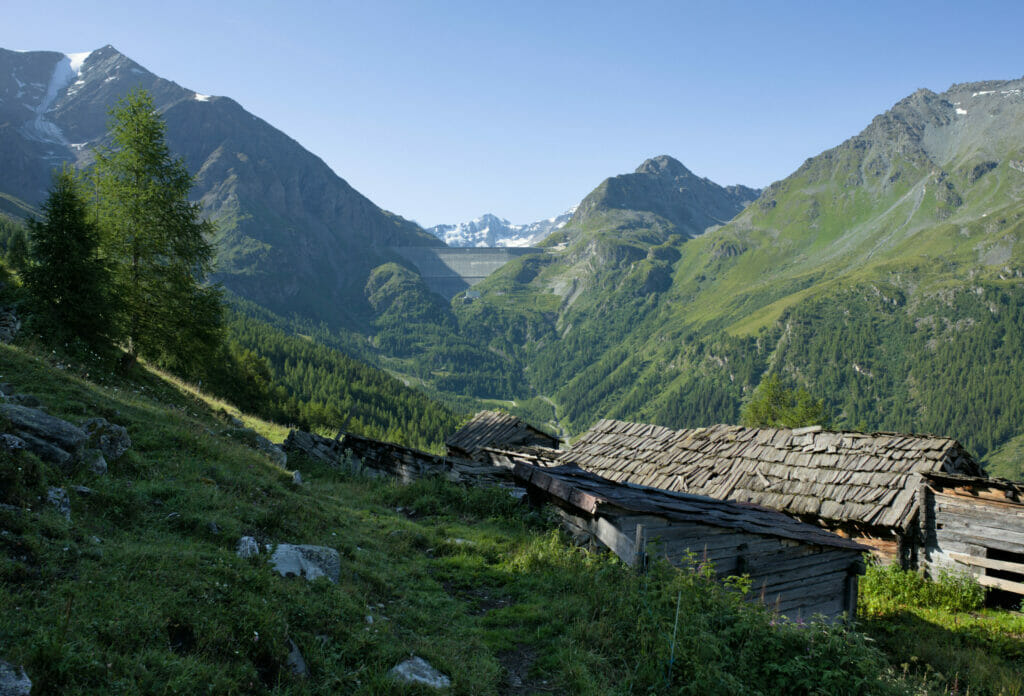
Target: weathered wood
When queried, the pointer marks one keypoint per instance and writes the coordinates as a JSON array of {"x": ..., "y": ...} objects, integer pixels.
[
  {"x": 973, "y": 537},
  {"x": 1001, "y": 584},
  {"x": 988, "y": 563}
]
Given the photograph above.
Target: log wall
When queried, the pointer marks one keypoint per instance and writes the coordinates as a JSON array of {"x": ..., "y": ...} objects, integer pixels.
[
  {"x": 798, "y": 580},
  {"x": 978, "y": 530}
]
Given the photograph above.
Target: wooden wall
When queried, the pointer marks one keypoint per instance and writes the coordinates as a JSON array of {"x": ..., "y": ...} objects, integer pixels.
[
  {"x": 799, "y": 580},
  {"x": 977, "y": 529}
]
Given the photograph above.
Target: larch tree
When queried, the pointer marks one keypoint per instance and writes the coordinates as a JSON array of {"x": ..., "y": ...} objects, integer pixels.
[
  {"x": 67, "y": 281},
  {"x": 157, "y": 241}
]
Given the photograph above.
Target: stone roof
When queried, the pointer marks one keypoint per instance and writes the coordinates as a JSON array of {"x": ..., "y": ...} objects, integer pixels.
[
  {"x": 496, "y": 429},
  {"x": 590, "y": 493},
  {"x": 838, "y": 477}
]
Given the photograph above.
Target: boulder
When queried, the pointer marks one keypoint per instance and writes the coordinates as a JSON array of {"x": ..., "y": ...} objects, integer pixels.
[
  {"x": 296, "y": 663},
  {"x": 9, "y": 325},
  {"x": 93, "y": 459},
  {"x": 303, "y": 560},
  {"x": 58, "y": 498},
  {"x": 64, "y": 435},
  {"x": 46, "y": 450},
  {"x": 416, "y": 670},
  {"x": 14, "y": 681},
  {"x": 112, "y": 440},
  {"x": 247, "y": 547},
  {"x": 11, "y": 442}
]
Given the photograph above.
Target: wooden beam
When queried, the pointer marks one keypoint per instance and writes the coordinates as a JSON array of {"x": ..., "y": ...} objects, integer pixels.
[
  {"x": 1000, "y": 584},
  {"x": 987, "y": 562}
]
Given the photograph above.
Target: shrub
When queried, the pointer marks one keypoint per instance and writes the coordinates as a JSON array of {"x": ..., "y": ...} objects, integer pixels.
[{"x": 885, "y": 588}]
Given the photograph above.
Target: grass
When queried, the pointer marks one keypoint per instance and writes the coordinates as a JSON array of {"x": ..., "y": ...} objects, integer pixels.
[
  {"x": 141, "y": 592},
  {"x": 937, "y": 633}
]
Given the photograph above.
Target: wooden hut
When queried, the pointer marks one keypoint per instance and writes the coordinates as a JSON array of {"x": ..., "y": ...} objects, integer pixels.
[
  {"x": 975, "y": 525},
  {"x": 375, "y": 458},
  {"x": 496, "y": 429},
  {"x": 800, "y": 569},
  {"x": 863, "y": 486}
]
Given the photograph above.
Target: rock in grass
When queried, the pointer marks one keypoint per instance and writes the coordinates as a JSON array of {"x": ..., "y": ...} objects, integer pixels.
[
  {"x": 64, "y": 435},
  {"x": 94, "y": 460},
  {"x": 112, "y": 440},
  {"x": 47, "y": 451},
  {"x": 416, "y": 670},
  {"x": 11, "y": 442},
  {"x": 310, "y": 562},
  {"x": 58, "y": 498},
  {"x": 13, "y": 680},
  {"x": 247, "y": 547},
  {"x": 296, "y": 663}
]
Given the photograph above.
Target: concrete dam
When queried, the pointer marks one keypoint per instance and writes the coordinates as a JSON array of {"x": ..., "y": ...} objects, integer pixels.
[{"x": 450, "y": 270}]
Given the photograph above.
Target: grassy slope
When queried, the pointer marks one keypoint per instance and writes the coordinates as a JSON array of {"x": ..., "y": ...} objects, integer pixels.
[{"x": 139, "y": 595}]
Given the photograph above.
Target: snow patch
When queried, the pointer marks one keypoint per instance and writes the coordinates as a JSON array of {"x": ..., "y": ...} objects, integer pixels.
[
  {"x": 201, "y": 97},
  {"x": 962, "y": 112},
  {"x": 77, "y": 59},
  {"x": 40, "y": 128}
]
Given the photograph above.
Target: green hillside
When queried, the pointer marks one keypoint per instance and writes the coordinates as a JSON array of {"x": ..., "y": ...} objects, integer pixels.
[{"x": 139, "y": 590}]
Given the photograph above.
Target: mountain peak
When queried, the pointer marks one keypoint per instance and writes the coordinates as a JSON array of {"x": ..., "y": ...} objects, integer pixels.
[
  {"x": 663, "y": 165},
  {"x": 663, "y": 194}
]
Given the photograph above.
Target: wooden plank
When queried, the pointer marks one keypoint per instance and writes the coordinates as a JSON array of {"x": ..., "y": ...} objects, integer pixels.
[
  {"x": 987, "y": 562},
  {"x": 983, "y": 532},
  {"x": 972, "y": 537},
  {"x": 1000, "y": 584}
]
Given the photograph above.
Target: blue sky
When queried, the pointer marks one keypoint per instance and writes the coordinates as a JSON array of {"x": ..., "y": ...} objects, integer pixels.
[{"x": 442, "y": 111}]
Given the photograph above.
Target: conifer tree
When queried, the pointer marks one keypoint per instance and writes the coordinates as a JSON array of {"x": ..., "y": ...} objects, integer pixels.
[
  {"x": 159, "y": 245},
  {"x": 66, "y": 280}
]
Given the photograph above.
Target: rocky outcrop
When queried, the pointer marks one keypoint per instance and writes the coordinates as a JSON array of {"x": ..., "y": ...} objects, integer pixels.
[
  {"x": 112, "y": 440},
  {"x": 304, "y": 560},
  {"x": 60, "y": 442}
]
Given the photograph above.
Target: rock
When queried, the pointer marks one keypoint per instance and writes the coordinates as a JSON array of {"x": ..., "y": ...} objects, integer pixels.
[
  {"x": 11, "y": 442},
  {"x": 296, "y": 478},
  {"x": 58, "y": 498},
  {"x": 215, "y": 529},
  {"x": 14, "y": 681},
  {"x": 46, "y": 450},
  {"x": 296, "y": 663},
  {"x": 59, "y": 432},
  {"x": 247, "y": 547},
  {"x": 6, "y": 388},
  {"x": 307, "y": 561},
  {"x": 416, "y": 670},
  {"x": 112, "y": 440},
  {"x": 25, "y": 400},
  {"x": 82, "y": 490},
  {"x": 9, "y": 327},
  {"x": 93, "y": 459}
]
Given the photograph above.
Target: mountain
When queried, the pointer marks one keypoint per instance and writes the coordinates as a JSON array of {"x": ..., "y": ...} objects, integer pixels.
[
  {"x": 292, "y": 235},
  {"x": 664, "y": 193},
  {"x": 884, "y": 275},
  {"x": 491, "y": 231}
]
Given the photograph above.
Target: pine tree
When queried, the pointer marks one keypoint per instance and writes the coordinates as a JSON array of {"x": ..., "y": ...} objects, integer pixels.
[
  {"x": 66, "y": 280},
  {"x": 159, "y": 245}
]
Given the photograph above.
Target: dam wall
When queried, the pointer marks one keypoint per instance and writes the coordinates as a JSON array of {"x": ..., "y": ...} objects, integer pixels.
[{"x": 450, "y": 270}]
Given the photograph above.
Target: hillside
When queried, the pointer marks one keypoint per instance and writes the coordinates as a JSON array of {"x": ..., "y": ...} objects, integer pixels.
[{"x": 139, "y": 589}]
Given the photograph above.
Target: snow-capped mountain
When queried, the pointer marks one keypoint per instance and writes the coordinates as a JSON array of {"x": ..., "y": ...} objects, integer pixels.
[
  {"x": 492, "y": 231},
  {"x": 292, "y": 235}
]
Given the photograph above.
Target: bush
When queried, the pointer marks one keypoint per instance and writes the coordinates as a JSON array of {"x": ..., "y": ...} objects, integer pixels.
[{"x": 885, "y": 588}]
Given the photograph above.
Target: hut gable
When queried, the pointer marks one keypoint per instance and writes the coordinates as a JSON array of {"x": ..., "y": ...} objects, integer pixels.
[
  {"x": 496, "y": 429},
  {"x": 838, "y": 478}
]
